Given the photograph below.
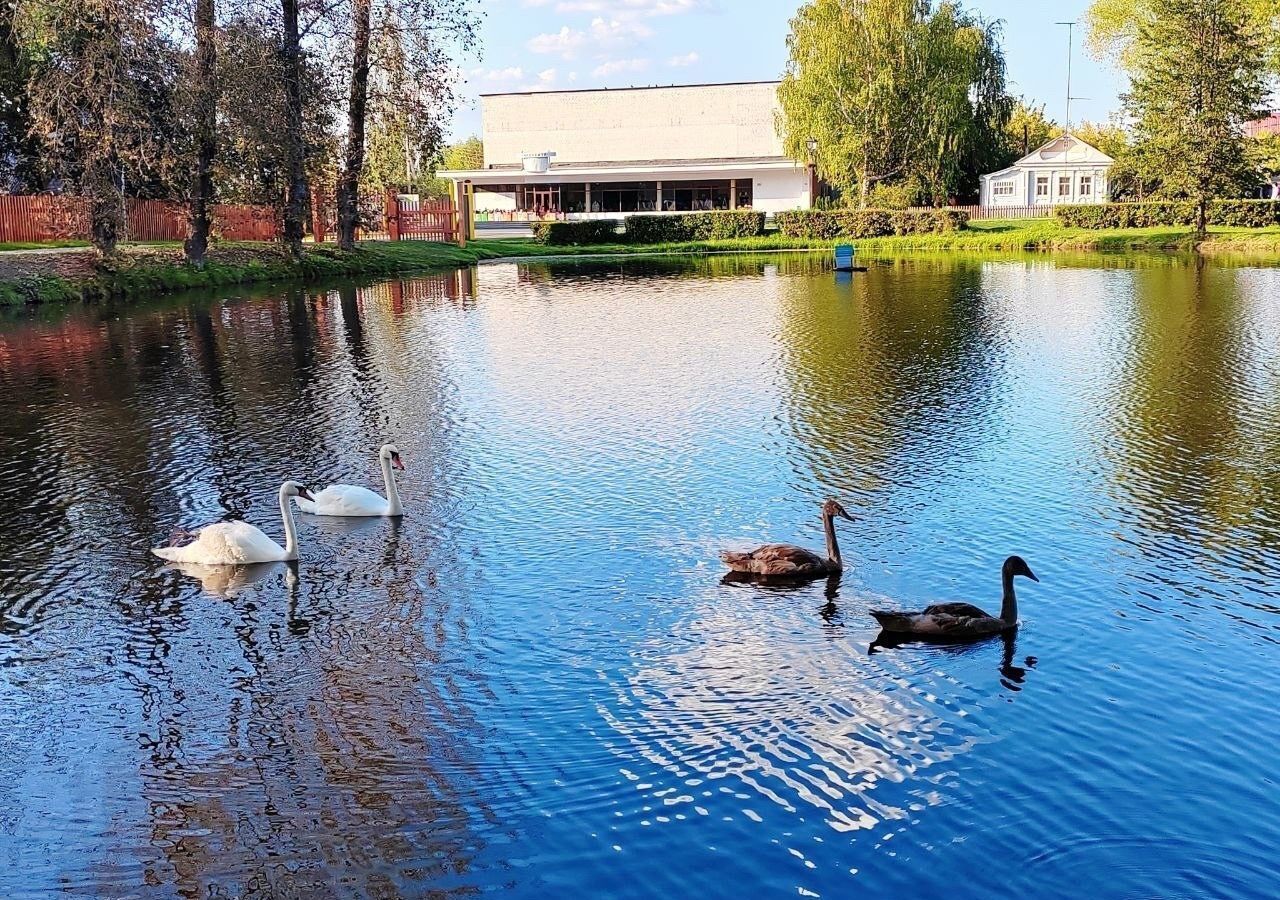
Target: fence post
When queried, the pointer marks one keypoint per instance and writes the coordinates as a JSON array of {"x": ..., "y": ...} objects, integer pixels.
[
  {"x": 393, "y": 214},
  {"x": 461, "y": 213}
]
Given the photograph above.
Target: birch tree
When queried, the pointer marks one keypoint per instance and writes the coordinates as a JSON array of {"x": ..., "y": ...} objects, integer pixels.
[{"x": 893, "y": 90}]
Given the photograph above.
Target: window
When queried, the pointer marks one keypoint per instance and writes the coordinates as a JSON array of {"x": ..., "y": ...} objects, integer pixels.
[
  {"x": 1086, "y": 185},
  {"x": 1064, "y": 185},
  {"x": 1003, "y": 188},
  {"x": 1042, "y": 185}
]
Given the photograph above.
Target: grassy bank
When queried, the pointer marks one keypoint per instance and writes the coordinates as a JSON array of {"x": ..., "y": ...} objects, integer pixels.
[{"x": 148, "y": 269}]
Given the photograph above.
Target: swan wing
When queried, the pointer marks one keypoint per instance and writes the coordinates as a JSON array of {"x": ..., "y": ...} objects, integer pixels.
[
  {"x": 959, "y": 610},
  {"x": 775, "y": 559},
  {"x": 346, "y": 500},
  {"x": 225, "y": 544}
]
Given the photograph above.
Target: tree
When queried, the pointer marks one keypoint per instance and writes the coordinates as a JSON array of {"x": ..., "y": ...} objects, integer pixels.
[
  {"x": 1197, "y": 76},
  {"x": 206, "y": 131},
  {"x": 1028, "y": 128},
  {"x": 1112, "y": 28},
  {"x": 465, "y": 154},
  {"x": 894, "y": 90},
  {"x": 19, "y": 150},
  {"x": 98, "y": 91},
  {"x": 348, "y": 194},
  {"x": 292, "y": 66}
]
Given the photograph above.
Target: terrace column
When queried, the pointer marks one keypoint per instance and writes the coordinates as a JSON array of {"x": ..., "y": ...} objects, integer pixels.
[
  {"x": 659, "y": 196},
  {"x": 733, "y": 193},
  {"x": 586, "y": 207}
]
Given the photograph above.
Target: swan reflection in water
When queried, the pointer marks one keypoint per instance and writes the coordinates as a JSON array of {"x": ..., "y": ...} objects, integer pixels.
[
  {"x": 229, "y": 582},
  {"x": 1011, "y": 676},
  {"x": 829, "y": 611}
]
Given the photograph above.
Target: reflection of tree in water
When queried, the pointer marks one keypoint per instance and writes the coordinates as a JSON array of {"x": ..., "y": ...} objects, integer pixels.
[
  {"x": 1193, "y": 417},
  {"x": 889, "y": 375}
]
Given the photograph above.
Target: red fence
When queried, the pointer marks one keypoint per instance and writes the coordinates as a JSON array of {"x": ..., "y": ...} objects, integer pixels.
[
  {"x": 400, "y": 218},
  {"x": 34, "y": 219}
]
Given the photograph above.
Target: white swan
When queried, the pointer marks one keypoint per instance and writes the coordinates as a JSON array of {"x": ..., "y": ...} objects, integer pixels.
[
  {"x": 352, "y": 500},
  {"x": 239, "y": 543}
]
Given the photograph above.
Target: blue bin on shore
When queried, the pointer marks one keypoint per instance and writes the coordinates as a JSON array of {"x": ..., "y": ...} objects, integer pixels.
[{"x": 844, "y": 257}]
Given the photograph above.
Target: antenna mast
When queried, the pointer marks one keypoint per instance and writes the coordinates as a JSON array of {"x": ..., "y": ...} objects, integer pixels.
[{"x": 1071, "y": 46}]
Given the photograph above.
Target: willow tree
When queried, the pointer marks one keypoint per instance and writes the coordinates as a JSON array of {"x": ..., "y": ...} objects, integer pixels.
[
  {"x": 894, "y": 90},
  {"x": 1197, "y": 75}
]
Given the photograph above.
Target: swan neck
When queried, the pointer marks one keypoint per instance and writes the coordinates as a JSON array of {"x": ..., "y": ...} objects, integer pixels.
[
  {"x": 290, "y": 528},
  {"x": 393, "y": 492},
  {"x": 1009, "y": 602},
  {"x": 833, "y": 547}
]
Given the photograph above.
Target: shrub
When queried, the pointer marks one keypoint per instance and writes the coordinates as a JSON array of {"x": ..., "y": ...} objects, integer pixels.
[
  {"x": 694, "y": 226},
  {"x": 868, "y": 223},
  {"x": 1233, "y": 213},
  {"x": 562, "y": 234}
]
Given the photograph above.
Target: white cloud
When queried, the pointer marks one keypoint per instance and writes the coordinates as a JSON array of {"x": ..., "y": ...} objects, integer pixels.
[
  {"x": 566, "y": 42},
  {"x": 510, "y": 73},
  {"x": 601, "y": 35},
  {"x": 614, "y": 66},
  {"x": 687, "y": 60},
  {"x": 546, "y": 81}
]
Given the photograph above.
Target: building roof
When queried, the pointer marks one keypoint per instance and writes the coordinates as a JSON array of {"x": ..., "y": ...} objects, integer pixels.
[
  {"x": 1051, "y": 154},
  {"x": 639, "y": 167},
  {"x": 638, "y": 87}
]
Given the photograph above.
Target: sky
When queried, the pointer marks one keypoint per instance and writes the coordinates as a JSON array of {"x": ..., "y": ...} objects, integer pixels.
[{"x": 562, "y": 44}]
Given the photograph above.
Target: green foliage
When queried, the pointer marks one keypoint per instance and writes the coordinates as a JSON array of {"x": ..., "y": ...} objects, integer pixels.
[
  {"x": 694, "y": 226},
  {"x": 894, "y": 90},
  {"x": 1113, "y": 27},
  {"x": 1230, "y": 213},
  {"x": 1028, "y": 128},
  {"x": 595, "y": 231},
  {"x": 1197, "y": 76},
  {"x": 902, "y": 195},
  {"x": 868, "y": 223}
]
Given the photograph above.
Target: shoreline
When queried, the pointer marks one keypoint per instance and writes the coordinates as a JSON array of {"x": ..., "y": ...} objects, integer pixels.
[{"x": 144, "y": 269}]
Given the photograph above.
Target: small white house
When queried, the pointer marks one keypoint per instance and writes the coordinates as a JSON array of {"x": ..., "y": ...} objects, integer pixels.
[{"x": 1065, "y": 170}]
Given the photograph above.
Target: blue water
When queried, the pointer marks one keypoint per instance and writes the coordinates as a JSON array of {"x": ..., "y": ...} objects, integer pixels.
[{"x": 536, "y": 684}]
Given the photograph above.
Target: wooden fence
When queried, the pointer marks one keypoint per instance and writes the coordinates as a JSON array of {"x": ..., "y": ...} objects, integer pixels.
[
  {"x": 1001, "y": 212},
  {"x": 44, "y": 217},
  {"x": 399, "y": 219}
]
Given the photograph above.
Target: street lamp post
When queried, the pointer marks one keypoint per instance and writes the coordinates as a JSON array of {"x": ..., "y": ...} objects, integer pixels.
[{"x": 812, "y": 146}]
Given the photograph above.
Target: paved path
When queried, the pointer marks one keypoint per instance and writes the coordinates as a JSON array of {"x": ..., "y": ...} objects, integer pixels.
[{"x": 64, "y": 261}]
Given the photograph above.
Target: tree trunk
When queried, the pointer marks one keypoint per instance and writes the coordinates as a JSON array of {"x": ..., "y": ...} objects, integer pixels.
[
  {"x": 1202, "y": 218},
  {"x": 106, "y": 204},
  {"x": 206, "y": 114},
  {"x": 295, "y": 202},
  {"x": 353, "y": 163}
]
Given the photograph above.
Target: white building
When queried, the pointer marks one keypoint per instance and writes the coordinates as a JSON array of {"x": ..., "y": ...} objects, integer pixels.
[
  {"x": 1065, "y": 170},
  {"x": 603, "y": 153}
]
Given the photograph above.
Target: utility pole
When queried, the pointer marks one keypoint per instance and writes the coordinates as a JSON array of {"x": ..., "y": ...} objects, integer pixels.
[{"x": 1071, "y": 46}]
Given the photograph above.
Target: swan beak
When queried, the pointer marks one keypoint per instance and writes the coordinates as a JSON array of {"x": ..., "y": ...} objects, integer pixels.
[
  {"x": 845, "y": 515},
  {"x": 305, "y": 494},
  {"x": 1032, "y": 575},
  {"x": 395, "y": 461}
]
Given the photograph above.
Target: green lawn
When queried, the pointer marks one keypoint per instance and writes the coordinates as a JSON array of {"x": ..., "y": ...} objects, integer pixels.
[{"x": 159, "y": 268}]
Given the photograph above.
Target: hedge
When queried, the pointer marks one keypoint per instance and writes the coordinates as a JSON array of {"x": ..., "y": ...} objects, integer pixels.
[
  {"x": 594, "y": 231},
  {"x": 694, "y": 226},
  {"x": 1233, "y": 213},
  {"x": 868, "y": 223}
]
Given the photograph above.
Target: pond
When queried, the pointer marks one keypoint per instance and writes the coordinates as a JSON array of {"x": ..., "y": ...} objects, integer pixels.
[{"x": 537, "y": 682}]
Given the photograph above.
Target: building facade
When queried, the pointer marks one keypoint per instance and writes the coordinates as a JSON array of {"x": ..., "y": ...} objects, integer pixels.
[
  {"x": 604, "y": 153},
  {"x": 1065, "y": 170}
]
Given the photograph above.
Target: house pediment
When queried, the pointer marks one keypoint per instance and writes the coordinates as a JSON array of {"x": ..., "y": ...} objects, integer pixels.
[{"x": 1066, "y": 150}]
